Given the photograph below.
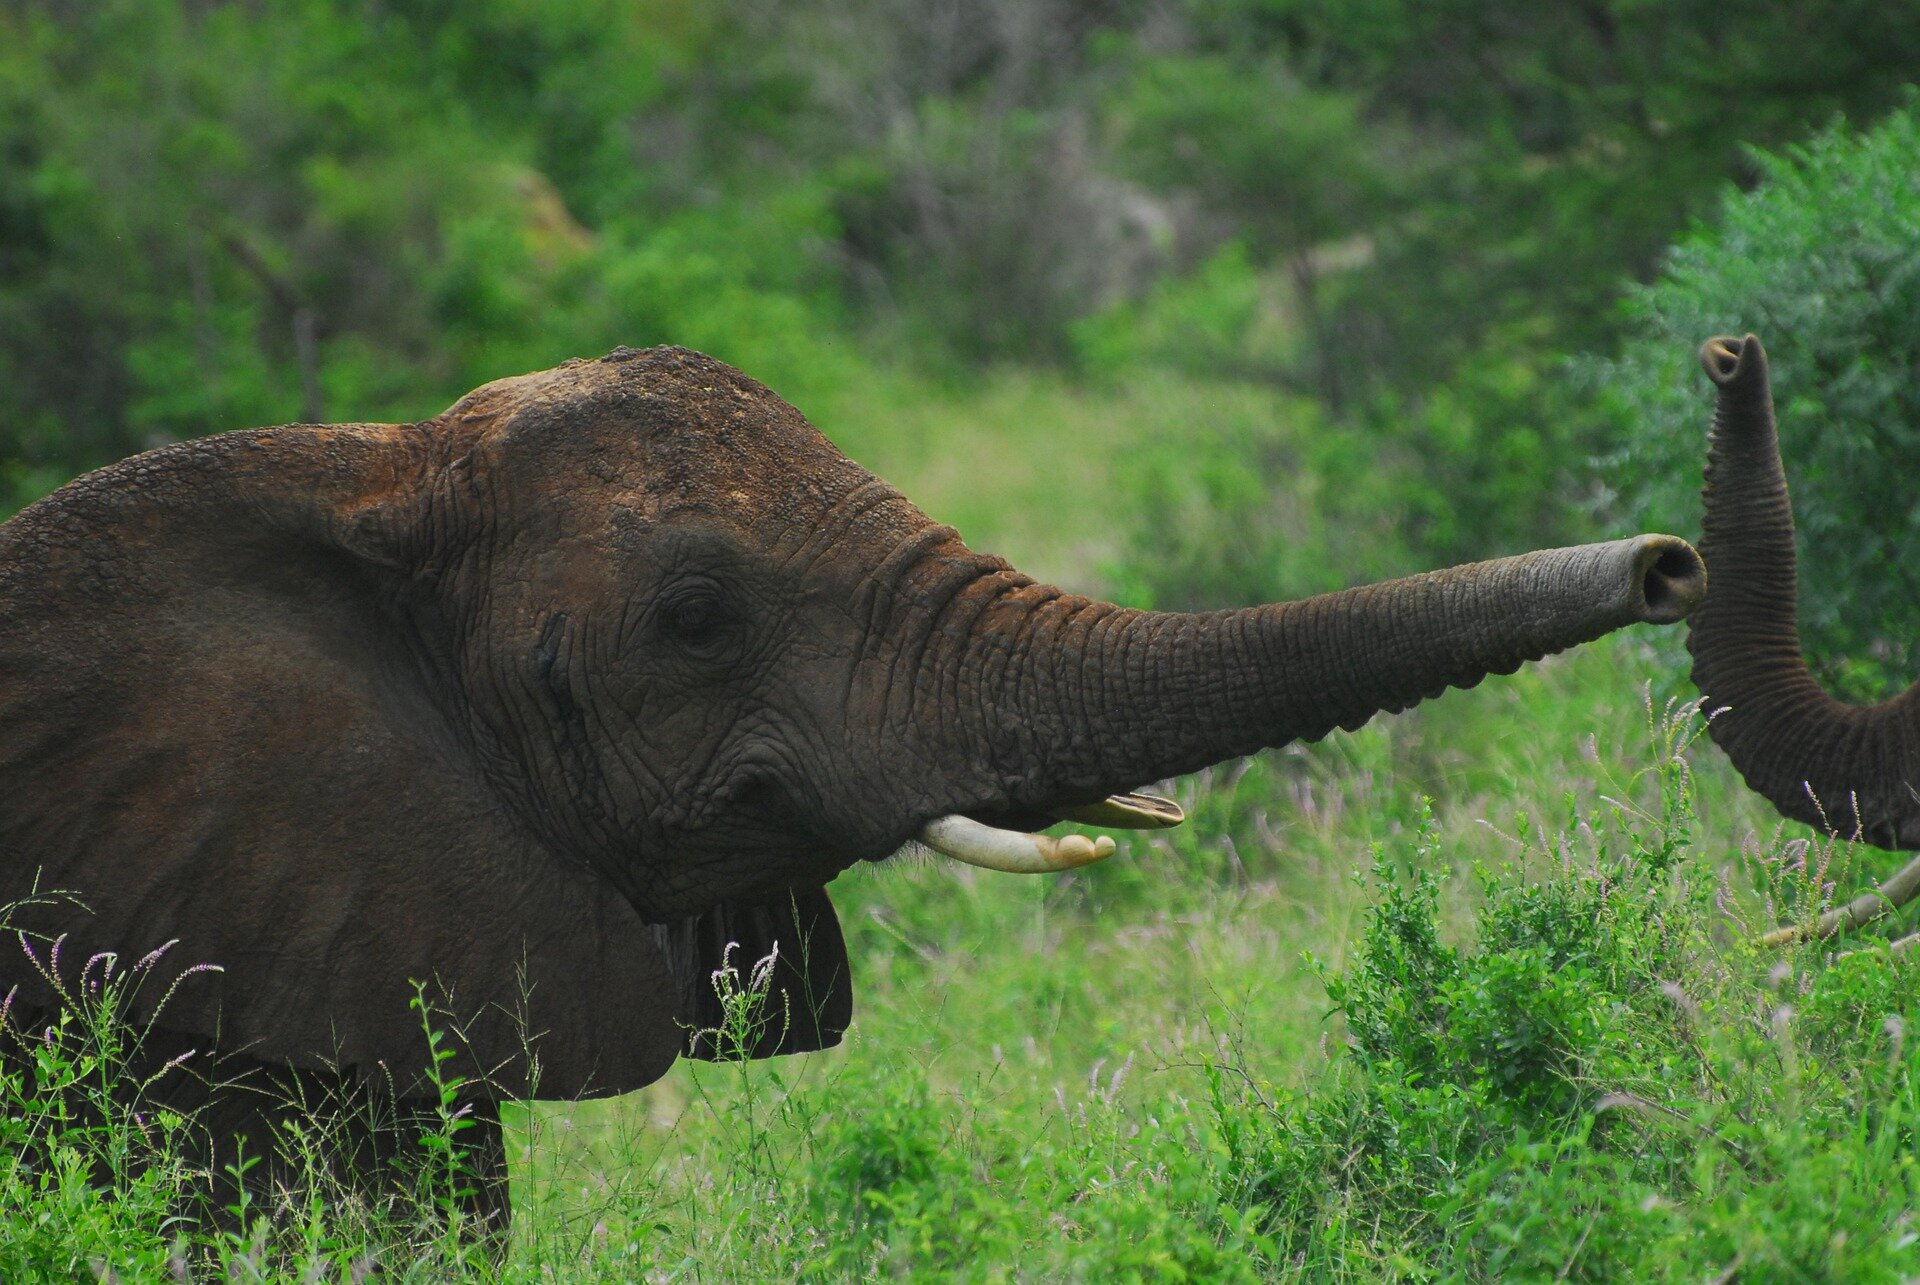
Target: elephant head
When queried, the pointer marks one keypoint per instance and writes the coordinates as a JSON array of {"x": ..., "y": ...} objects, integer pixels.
[
  {"x": 547, "y": 700},
  {"x": 1850, "y": 770}
]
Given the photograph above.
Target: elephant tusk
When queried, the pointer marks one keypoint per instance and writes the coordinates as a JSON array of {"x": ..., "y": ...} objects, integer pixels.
[
  {"x": 1127, "y": 812},
  {"x": 1011, "y": 850}
]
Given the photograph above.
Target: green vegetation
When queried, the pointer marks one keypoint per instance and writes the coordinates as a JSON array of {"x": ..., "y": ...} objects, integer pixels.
[
  {"x": 1189, "y": 304},
  {"x": 1823, "y": 261},
  {"x": 216, "y": 215}
]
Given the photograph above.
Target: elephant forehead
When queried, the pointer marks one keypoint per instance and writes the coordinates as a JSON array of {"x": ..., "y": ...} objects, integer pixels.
[
  {"x": 651, "y": 431},
  {"x": 630, "y": 442}
]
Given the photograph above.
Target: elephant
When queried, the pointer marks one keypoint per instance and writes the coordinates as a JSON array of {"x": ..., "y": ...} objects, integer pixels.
[
  {"x": 1850, "y": 771},
  {"x": 559, "y": 701}
]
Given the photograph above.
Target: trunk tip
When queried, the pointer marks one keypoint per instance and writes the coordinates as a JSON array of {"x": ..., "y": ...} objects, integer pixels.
[
  {"x": 1732, "y": 363},
  {"x": 1672, "y": 576}
]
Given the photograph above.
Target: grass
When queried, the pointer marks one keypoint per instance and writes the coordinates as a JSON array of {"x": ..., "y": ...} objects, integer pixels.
[{"x": 1468, "y": 994}]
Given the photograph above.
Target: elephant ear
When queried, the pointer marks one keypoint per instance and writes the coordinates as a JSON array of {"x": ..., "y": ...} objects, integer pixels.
[{"x": 220, "y": 728}]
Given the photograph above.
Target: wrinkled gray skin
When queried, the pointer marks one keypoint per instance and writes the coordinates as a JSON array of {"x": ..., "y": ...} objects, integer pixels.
[
  {"x": 1850, "y": 770},
  {"x": 544, "y": 701}
]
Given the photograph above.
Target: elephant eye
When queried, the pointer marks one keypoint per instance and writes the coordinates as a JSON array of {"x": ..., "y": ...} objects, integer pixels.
[{"x": 695, "y": 616}]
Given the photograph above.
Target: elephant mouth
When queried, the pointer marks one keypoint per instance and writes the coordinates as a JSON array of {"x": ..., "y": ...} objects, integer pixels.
[{"x": 1010, "y": 843}]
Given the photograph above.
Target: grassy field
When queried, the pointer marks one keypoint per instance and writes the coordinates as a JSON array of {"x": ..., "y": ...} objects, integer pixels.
[{"x": 1467, "y": 994}]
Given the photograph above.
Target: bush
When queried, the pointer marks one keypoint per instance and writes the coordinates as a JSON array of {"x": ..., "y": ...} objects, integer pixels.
[
  {"x": 1822, "y": 261},
  {"x": 1599, "y": 1083}
]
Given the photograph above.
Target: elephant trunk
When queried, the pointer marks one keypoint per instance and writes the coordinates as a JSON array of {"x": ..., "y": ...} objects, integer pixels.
[
  {"x": 1850, "y": 770},
  {"x": 1090, "y": 698}
]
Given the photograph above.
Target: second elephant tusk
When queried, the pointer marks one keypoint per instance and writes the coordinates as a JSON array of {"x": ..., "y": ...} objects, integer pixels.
[
  {"x": 1012, "y": 851},
  {"x": 1127, "y": 812}
]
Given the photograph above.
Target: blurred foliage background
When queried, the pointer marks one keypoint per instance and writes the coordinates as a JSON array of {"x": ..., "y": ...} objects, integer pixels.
[{"x": 1315, "y": 289}]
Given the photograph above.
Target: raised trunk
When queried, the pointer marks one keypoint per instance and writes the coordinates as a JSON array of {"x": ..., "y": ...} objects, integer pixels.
[
  {"x": 1851, "y": 770},
  {"x": 1091, "y": 698}
]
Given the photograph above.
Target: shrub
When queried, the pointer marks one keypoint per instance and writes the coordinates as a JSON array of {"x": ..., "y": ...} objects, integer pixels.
[{"x": 1598, "y": 1083}]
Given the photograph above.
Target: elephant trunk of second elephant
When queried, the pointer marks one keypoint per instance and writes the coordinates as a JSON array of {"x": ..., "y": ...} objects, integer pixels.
[
  {"x": 1846, "y": 769},
  {"x": 1105, "y": 698}
]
